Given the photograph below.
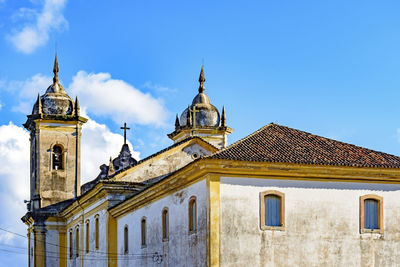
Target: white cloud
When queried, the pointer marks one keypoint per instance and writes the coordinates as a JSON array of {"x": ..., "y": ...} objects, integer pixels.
[
  {"x": 159, "y": 88},
  {"x": 36, "y": 34},
  {"x": 14, "y": 177},
  {"x": 98, "y": 145},
  {"x": 103, "y": 95},
  {"x": 27, "y": 91},
  {"x": 97, "y": 92}
]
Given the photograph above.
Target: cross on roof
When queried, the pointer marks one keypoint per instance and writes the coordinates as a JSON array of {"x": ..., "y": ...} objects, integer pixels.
[{"x": 125, "y": 128}]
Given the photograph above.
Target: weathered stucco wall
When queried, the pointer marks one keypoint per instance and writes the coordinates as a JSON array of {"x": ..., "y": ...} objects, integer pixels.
[
  {"x": 52, "y": 248},
  {"x": 56, "y": 185},
  {"x": 321, "y": 225},
  {"x": 95, "y": 257},
  {"x": 182, "y": 249},
  {"x": 165, "y": 163}
]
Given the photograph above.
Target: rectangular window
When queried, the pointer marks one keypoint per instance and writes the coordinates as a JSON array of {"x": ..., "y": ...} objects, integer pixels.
[
  {"x": 371, "y": 214},
  {"x": 272, "y": 210},
  {"x": 192, "y": 215},
  {"x": 96, "y": 222},
  {"x": 143, "y": 230},
  {"x": 77, "y": 242},
  {"x": 87, "y": 237},
  {"x": 126, "y": 240},
  {"x": 165, "y": 224}
]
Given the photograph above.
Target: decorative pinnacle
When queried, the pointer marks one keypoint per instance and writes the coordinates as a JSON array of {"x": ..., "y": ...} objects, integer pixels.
[
  {"x": 189, "y": 117},
  {"x": 77, "y": 107},
  {"x": 55, "y": 70},
  {"x": 111, "y": 170},
  {"x": 223, "y": 119},
  {"x": 177, "y": 121},
  {"x": 39, "y": 101},
  {"x": 202, "y": 79}
]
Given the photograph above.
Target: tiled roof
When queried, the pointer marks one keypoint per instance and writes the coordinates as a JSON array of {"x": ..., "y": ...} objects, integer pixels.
[{"x": 276, "y": 143}]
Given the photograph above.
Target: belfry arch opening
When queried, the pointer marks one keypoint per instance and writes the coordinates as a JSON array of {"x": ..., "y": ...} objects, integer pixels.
[{"x": 57, "y": 157}]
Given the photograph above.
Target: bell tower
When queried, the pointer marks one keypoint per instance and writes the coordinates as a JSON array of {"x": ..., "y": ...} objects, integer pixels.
[
  {"x": 55, "y": 134},
  {"x": 202, "y": 119}
]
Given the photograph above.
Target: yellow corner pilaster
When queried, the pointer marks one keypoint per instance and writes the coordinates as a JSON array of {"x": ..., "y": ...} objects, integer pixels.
[
  {"x": 39, "y": 235},
  {"x": 63, "y": 248},
  {"x": 112, "y": 240},
  {"x": 214, "y": 212}
]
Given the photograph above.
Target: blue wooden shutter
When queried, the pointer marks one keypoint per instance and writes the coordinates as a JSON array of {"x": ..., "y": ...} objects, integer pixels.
[
  {"x": 272, "y": 210},
  {"x": 371, "y": 214}
]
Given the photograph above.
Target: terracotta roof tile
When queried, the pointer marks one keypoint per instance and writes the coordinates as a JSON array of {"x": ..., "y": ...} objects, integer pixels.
[{"x": 276, "y": 143}]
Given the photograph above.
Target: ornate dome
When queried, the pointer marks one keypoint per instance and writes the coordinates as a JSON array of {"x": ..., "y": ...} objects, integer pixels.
[
  {"x": 201, "y": 109},
  {"x": 55, "y": 101}
]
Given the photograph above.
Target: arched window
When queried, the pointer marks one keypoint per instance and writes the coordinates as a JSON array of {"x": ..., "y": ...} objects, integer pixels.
[
  {"x": 57, "y": 157},
  {"x": 87, "y": 236},
  {"x": 77, "y": 242},
  {"x": 96, "y": 234},
  {"x": 371, "y": 213},
  {"x": 272, "y": 207},
  {"x": 165, "y": 224},
  {"x": 192, "y": 215},
  {"x": 126, "y": 240},
  {"x": 71, "y": 253},
  {"x": 143, "y": 230}
]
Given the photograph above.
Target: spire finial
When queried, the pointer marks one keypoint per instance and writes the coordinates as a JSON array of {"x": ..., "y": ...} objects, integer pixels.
[
  {"x": 77, "y": 107},
  {"x": 55, "y": 70},
  {"x": 202, "y": 79},
  {"x": 223, "y": 117},
  {"x": 177, "y": 121},
  {"x": 39, "y": 101}
]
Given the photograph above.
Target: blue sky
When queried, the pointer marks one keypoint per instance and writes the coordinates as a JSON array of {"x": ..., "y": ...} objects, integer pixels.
[{"x": 326, "y": 67}]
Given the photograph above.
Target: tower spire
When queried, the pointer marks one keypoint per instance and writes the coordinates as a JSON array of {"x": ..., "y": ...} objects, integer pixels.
[
  {"x": 55, "y": 70},
  {"x": 202, "y": 79},
  {"x": 177, "y": 121},
  {"x": 223, "y": 117}
]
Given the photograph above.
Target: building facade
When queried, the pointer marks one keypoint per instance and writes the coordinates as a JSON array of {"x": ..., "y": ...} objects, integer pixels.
[{"x": 278, "y": 197}]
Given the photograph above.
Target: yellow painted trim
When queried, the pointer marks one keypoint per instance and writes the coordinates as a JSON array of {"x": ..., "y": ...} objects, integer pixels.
[
  {"x": 63, "y": 248},
  {"x": 214, "y": 223},
  {"x": 112, "y": 244},
  {"x": 102, "y": 206},
  {"x": 97, "y": 193},
  {"x": 196, "y": 171},
  {"x": 39, "y": 258},
  {"x": 29, "y": 249}
]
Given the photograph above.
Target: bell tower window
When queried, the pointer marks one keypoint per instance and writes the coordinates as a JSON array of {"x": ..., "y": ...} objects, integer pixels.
[{"x": 57, "y": 157}]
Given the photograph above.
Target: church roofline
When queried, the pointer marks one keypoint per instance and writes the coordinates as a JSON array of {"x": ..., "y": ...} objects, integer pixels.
[{"x": 165, "y": 150}]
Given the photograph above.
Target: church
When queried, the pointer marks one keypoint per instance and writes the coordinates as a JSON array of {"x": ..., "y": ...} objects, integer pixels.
[{"x": 277, "y": 197}]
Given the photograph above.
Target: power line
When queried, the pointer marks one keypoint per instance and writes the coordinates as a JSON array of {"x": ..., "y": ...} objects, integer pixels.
[{"x": 83, "y": 251}]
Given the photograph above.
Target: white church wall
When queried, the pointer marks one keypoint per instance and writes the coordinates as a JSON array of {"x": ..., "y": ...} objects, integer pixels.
[
  {"x": 321, "y": 224},
  {"x": 95, "y": 256},
  {"x": 52, "y": 248},
  {"x": 182, "y": 248}
]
